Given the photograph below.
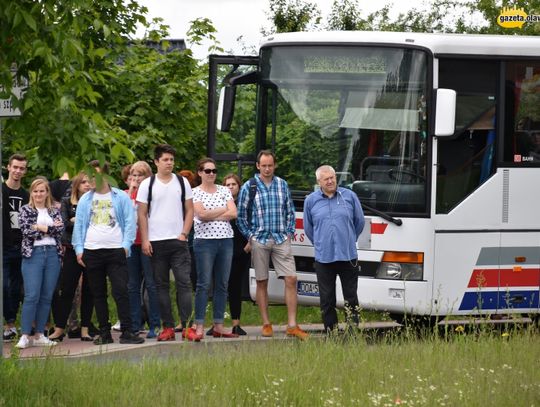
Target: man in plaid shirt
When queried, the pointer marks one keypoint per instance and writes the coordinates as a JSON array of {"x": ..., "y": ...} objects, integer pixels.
[{"x": 268, "y": 222}]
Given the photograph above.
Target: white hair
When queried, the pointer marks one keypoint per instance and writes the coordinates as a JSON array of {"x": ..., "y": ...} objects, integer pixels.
[{"x": 324, "y": 168}]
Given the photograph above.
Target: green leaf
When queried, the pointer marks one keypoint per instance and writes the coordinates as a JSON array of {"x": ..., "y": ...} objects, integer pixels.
[{"x": 29, "y": 20}]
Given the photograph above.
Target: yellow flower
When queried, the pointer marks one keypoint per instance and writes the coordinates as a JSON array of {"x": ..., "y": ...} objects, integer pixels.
[{"x": 460, "y": 328}]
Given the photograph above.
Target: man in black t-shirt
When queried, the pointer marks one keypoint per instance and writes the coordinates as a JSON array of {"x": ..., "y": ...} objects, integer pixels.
[{"x": 13, "y": 197}]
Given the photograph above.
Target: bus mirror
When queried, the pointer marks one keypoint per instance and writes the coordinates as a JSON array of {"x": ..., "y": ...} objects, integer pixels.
[
  {"x": 445, "y": 112},
  {"x": 226, "y": 108}
]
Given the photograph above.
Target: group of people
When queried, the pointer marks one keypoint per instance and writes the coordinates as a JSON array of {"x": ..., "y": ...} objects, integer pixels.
[{"x": 135, "y": 238}]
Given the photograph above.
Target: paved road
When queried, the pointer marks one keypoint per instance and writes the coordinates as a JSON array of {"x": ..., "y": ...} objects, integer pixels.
[{"x": 75, "y": 348}]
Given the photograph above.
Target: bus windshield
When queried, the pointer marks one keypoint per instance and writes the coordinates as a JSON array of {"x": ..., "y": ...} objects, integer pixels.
[{"x": 361, "y": 110}]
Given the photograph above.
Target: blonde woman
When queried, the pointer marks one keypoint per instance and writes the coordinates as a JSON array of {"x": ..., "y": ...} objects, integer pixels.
[{"x": 41, "y": 227}]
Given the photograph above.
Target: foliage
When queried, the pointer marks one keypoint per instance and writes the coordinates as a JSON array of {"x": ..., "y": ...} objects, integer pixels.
[
  {"x": 458, "y": 370},
  {"x": 293, "y": 15}
]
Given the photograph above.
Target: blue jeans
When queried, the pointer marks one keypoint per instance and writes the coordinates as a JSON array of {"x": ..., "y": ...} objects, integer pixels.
[
  {"x": 12, "y": 284},
  {"x": 213, "y": 258},
  {"x": 40, "y": 274},
  {"x": 139, "y": 269}
]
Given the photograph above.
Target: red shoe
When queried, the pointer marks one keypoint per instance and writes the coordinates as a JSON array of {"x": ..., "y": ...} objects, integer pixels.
[
  {"x": 166, "y": 335},
  {"x": 193, "y": 336},
  {"x": 216, "y": 334}
]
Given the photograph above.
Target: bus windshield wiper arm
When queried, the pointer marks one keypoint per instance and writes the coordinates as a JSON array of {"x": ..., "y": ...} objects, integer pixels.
[{"x": 383, "y": 215}]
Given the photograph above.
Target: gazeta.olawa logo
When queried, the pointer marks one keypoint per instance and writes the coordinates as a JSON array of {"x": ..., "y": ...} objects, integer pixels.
[{"x": 515, "y": 17}]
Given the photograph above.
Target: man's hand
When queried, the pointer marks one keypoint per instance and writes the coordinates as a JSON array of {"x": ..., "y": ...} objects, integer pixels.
[
  {"x": 147, "y": 248},
  {"x": 80, "y": 260},
  {"x": 247, "y": 247}
]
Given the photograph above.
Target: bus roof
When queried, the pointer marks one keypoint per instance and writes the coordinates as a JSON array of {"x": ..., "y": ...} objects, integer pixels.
[{"x": 458, "y": 44}]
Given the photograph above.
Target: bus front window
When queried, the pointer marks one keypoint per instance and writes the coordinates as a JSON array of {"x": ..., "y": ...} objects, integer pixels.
[{"x": 360, "y": 109}]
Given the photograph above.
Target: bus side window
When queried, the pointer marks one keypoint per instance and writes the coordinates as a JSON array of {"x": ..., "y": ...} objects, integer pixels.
[{"x": 467, "y": 159}]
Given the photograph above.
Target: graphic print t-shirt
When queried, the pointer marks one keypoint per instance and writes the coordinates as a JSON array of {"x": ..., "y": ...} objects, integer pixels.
[
  {"x": 13, "y": 200},
  {"x": 104, "y": 231}
]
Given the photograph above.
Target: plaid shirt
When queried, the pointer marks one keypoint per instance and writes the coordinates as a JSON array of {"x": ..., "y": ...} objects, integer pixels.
[{"x": 272, "y": 211}]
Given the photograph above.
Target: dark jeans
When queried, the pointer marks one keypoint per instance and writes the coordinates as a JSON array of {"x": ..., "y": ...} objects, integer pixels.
[
  {"x": 12, "y": 282},
  {"x": 139, "y": 270},
  {"x": 239, "y": 269},
  {"x": 101, "y": 263},
  {"x": 65, "y": 292},
  {"x": 172, "y": 254},
  {"x": 326, "y": 277}
]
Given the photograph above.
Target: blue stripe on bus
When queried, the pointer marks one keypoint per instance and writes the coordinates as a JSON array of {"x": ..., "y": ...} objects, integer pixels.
[{"x": 492, "y": 300}]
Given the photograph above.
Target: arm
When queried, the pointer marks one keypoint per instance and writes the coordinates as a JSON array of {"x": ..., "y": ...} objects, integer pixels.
[
  {"x": 291, "y": 217},
  {"x": 188, "y": 220},
  {"x": 130, "y": 226},
  {"x": 207, "y": 214},
  {"x": 27, "y": 223},
  {"x": 231, "y": 212},
  {"x": 242, "y": 220},
  {"x": 142, "y": 216},
  {"x": 308, "y": 220},
  {"x": 65, "y": 207},
  {"x": 77, "y": 236},
  {"x": 57, "y": 228},
  {"x": 358, "y": 215}
]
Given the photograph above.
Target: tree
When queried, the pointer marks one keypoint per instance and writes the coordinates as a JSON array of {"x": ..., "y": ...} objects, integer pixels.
[
  {"x": 345, "y": 16},
  {"x": 293, "y": 15}
]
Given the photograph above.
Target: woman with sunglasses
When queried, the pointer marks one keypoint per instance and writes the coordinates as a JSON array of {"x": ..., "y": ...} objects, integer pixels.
[{"x": 213, "y": 246}]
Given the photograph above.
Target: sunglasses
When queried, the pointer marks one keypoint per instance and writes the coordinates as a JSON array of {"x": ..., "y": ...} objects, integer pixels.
[{"x": 208, "y": 170}]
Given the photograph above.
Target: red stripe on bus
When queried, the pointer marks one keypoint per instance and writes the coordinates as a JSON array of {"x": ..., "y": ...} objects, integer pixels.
[
  {"x": 378, "y": 228},
  {"x": 526, "y": 277}
]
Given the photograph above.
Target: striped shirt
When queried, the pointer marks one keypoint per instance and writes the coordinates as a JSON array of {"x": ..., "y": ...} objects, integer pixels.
[{"x": 272, "y": 211}]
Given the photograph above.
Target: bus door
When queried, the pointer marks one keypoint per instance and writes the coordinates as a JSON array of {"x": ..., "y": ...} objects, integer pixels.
[{"x": 234, "y": 148}]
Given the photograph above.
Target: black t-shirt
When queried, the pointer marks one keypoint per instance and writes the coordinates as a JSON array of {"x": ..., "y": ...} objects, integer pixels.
[
  {"x": 59, "y": 188},
  {"x": 12, "y": 201}
]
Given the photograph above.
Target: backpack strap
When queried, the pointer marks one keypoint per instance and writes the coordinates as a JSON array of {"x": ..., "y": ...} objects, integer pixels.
[
  {"x": 183, "y": 197},
  {"x": 152, "y": 179},
  {"x": 251, "y": 198}
]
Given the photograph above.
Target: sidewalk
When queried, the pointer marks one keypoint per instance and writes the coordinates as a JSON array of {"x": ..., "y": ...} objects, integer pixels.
[{"x": 75, "y": 348}]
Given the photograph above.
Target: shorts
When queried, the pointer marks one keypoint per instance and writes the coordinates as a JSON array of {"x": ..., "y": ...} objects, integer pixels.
[{"x": 281, "y": 255}]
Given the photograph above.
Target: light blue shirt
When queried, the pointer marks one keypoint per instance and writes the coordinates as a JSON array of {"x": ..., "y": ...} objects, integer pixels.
[
  {"x": 333, "y": 224},
  {"x": 123, "y": 208}
]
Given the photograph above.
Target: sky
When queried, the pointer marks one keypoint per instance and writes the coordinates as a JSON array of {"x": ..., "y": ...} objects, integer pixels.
[{"x": 231, "y": 18}]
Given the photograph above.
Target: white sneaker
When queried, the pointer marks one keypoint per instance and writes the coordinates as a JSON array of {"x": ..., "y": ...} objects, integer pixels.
[
  {"x": 24, "y": 342},
  {"x": 44, "y": 341},
  {"x": 116, "y": 327}
]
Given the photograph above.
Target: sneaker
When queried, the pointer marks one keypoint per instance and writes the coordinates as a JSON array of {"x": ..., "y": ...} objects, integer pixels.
[
  {"x": 297, "y": 332},
  {"x": 44, "y": 341},
  {"x": 130, "y": 338},
  {"x": 267, "y": 330},
  {"x": 210, "y": 332},
  {"x": 166, "y": 335},
  {"x": 24, "y": 342},
  {"x": 238, "y": 331},
  {"x": 104, "y": 339},
  {"x": 152, "y": 333},
  {"x": 10, "y": 334},
  {"x": 192, "y": 335},
  {"x": 117, "y": 327}
]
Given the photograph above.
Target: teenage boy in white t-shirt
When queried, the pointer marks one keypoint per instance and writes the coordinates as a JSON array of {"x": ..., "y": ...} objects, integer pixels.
[{"x": 164, "y": 235}]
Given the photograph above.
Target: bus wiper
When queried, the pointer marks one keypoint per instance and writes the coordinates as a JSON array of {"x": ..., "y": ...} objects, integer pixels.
[{"x": 383, "y": 215}]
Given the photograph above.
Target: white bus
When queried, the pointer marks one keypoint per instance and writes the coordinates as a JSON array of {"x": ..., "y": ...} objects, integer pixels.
[{"x": 439, "y": 135}]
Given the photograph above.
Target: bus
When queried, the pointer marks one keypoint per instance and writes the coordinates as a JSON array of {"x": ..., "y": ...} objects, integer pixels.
[{"x": 437, "y": 134}]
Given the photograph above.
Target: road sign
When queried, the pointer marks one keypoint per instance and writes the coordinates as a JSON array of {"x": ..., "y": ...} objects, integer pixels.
[{"x": 18, "y": 88}]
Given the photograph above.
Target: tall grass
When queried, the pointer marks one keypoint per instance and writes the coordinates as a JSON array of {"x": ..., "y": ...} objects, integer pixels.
[{"x": 479, "y": 369}]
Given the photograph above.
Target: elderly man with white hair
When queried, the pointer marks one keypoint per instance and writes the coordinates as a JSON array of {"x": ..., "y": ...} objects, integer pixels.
[{"x": 333, "y": 221}]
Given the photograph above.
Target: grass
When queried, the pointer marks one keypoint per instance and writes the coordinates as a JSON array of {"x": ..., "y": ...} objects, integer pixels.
[{"x": 394, "y": 368}]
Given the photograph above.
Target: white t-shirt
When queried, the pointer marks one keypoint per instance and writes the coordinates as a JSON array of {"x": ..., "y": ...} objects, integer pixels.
[
  {"x": 165, "y": 220},
  {"x": 104, "y": 231},
  {"x": 212, "y": 229},
  {"x": 44, "y": 218}
]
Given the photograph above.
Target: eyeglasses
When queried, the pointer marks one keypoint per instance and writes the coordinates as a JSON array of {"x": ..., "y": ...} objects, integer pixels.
[{"x": 210, "y": 170}]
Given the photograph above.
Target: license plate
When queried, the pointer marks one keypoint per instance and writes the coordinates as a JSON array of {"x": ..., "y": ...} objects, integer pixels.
[{"x": 307, "y": 288}]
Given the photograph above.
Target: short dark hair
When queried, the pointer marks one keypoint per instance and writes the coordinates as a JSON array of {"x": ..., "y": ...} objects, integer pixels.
[
  {"x": 265, "y": 152},
  {"x": 161, "y": 149},
  {"x": 18, "y": 157},
  {"x": 95, "y": 164}
]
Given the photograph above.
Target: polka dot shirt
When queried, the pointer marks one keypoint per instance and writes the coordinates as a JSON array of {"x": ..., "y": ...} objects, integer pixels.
[{"x": 212, "y": 229}]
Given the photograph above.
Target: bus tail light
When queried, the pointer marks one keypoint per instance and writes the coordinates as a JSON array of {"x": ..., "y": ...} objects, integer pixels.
[{"x": 401, "y": 266}]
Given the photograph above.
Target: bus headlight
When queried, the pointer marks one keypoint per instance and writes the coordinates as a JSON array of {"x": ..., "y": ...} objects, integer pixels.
[{"x": 401, "y": 266}]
